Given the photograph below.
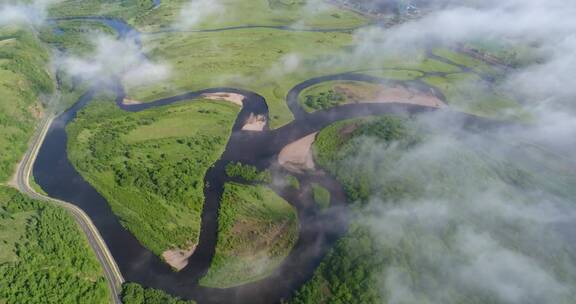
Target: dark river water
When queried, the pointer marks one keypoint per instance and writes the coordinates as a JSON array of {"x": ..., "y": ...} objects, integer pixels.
[{"x": 318, "y": 230}]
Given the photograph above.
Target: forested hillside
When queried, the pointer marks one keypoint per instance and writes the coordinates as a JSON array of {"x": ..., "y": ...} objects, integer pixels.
[
  {"x": 44, "y": 258},
  {"x": 24, "y": 81}
]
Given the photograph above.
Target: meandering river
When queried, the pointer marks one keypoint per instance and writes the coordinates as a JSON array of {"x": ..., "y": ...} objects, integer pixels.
[{"x": 54, "y": 172}]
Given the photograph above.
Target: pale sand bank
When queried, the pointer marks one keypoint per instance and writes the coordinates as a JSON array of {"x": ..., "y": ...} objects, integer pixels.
[
  {"x": 297, "y": 156},
  {"x": 255, "y": 123},
  {"x": 178, "y": 258},
  {"x": 231, "y": 97}
]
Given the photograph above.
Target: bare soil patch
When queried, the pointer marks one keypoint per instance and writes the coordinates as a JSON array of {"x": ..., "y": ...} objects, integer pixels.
[
  {"x": 389, "y": 94},
  {"x": 297, "y": 156},
  {"x": 231, "y": 97},
  {"x": 128, "y": 101},
  {"x": 255, "y": 123},
  {"x": 178, "y": 258}
]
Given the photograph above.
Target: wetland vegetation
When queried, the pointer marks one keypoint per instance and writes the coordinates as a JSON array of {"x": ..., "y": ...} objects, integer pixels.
[
  {"x": 151, "y": 165},
  {"x": 256, "y": 231}
]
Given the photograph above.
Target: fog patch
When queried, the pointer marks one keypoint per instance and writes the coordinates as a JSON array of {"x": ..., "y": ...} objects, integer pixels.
[
  {"x": 288, "y": 63},
  {"x": 524, "y": 20},
  {"x": 16, "y": 13},
  {"x": 113, "y": 60},
  {"x": 461, "y": 230},
  {"x": 196, "y": 12}
]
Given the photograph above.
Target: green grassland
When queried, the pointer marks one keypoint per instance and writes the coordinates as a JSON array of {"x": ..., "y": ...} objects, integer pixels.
[
  {"x": 24, "y": 80},
  {"x": 150, "y": 165},
  {"x": 256, "y": 231},
  {"x": 234, "y": 13},
  {"x": 270, "y": 62},
  {"x": 248, "y": 59},
  {"x": 411, "y": 171},
  {"x": 404, "y": 65},
  {"x": 125, "y": 9},
  {"x": 506, "y": 51},
  {"x": 469, "y": 93},
  {"x": 255, "y": 12},
  {"x": 44, "y": 258},
  {"x": 253, "y": 58},
  {"x": 467, "y": 61},
  {"x": 74, "y": 36},
  {"x": 395, "y": 74}
]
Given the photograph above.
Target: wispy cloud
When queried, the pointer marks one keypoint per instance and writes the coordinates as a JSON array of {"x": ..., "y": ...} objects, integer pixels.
[
  {"x": 195, "y": 12},
  {"x": 114, "y": 60},
  {"x": 462, "y": 228},
  {"x": 34, "y": 13}
]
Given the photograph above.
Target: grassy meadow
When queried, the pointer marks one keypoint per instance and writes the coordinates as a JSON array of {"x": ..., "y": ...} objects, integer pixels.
[
  {"x": 150, "y": 165},
  {"x": 126, "y": 9},
  {"x": 73, "y": 35},
  {"x": 271, "y": 62},
  {"x": 470, "y": 94},
  {"x": 231, "y": 13},
  {"x": 256, "y": 231},
  {"x": 252, "y": 59}
]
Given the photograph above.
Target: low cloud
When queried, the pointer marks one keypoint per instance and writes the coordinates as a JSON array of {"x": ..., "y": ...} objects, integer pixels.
[
  {"x": 526, "y": 20},
  {"x": 289, "y": 63},
  {"x": 462, "y": 230},
  {"x": 196, "y": 12},
  {"x": 34, "y": 13},
  {"x": 546, "y": 87},
  {"x": 114, "y": 60}
]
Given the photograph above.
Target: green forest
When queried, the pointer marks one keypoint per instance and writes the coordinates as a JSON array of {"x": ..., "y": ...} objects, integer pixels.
[
  {"x": 24, "y": 83},
  {"x": 323, "y": 100},
  {"x": 133, "y": 293},
  {"x": 248, "y": 173},
  {"x": 44, "y": 257},
  {"x": 390, "y": 244}
]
